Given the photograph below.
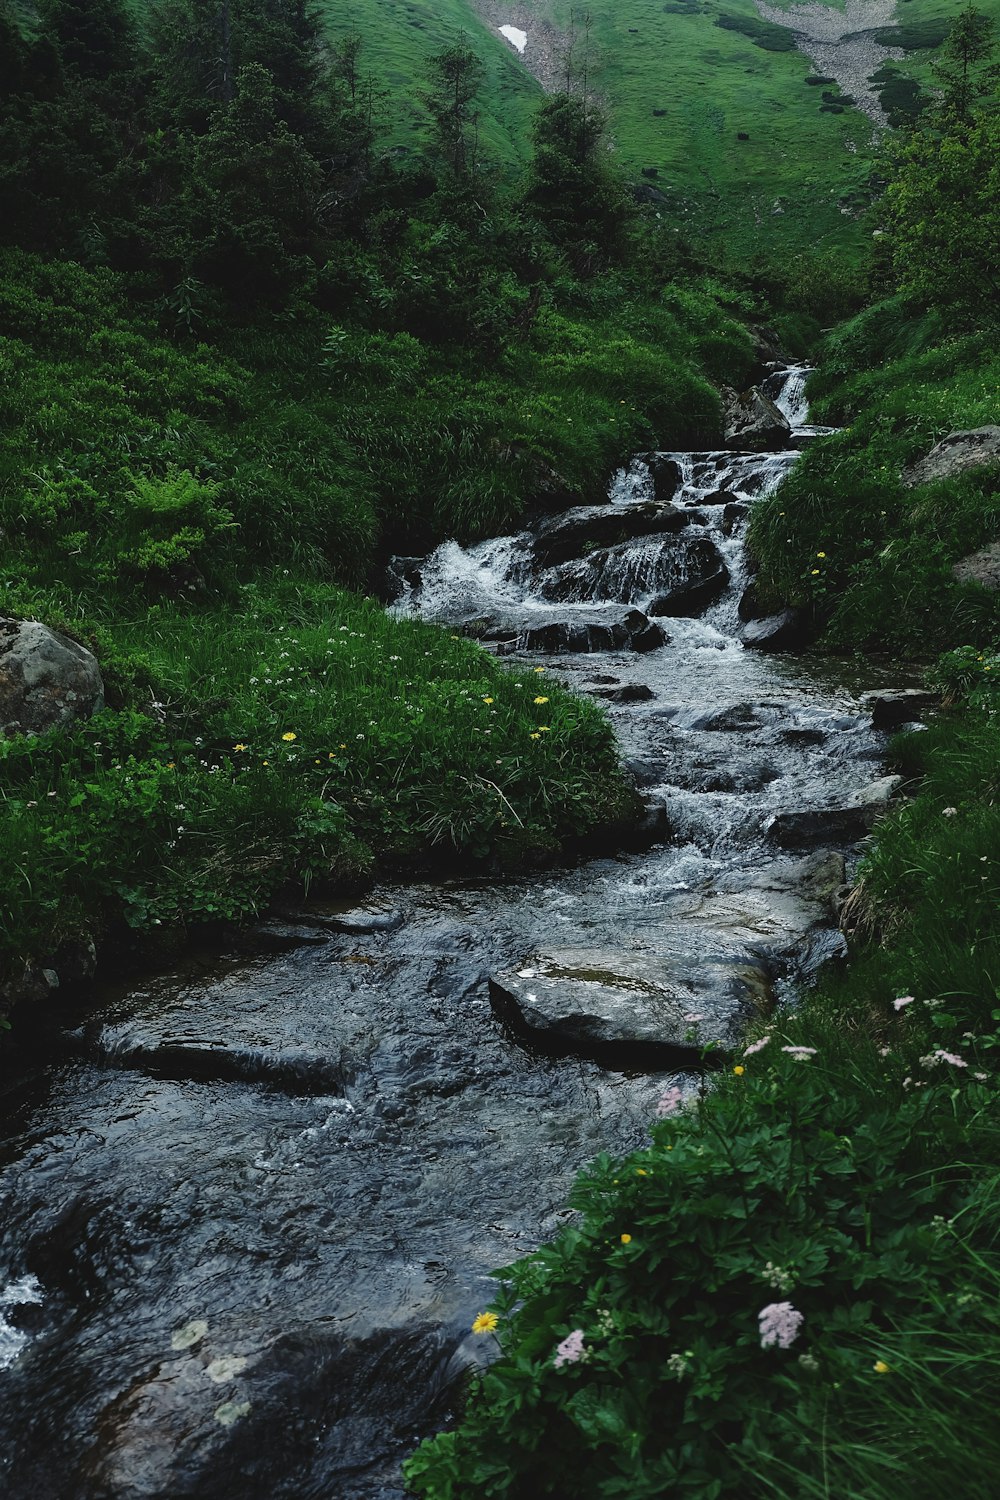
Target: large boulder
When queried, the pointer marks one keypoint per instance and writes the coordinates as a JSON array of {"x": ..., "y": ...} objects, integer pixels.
[
  {"x": 560, "y": 538},
  {"x": 752, "y": 422},
  {"x": 785, "y": 631},
  {"x": 46, "y": 680},
  {"x": 954, "y": 454}
]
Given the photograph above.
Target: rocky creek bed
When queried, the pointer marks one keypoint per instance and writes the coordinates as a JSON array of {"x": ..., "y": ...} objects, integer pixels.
[{"x": 251, "y": 1207}]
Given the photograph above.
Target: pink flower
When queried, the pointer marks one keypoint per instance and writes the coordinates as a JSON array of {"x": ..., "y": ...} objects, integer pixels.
[
  {"x": 940, "y": 1056},
  {"x": 779, "y": 1325},
  {"x": 903, "y": 1000},
  {"x": 570, "y": 1350},
  {"x": 801, "y": 1054},
  {"x": 670, "y": 1103},
  {"x": 756, "y": 1046}
]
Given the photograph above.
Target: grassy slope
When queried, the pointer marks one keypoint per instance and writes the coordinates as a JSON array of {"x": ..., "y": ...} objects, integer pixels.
[{"x": 399, "y": 38}]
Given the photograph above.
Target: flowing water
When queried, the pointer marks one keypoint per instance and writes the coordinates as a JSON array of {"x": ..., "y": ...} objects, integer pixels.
[{"x": 250, "y": 1208}]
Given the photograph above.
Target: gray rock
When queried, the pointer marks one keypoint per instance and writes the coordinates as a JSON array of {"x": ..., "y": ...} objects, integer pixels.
[
  {"x": 890, "y": 707},
  {"x": 46, "y": 680},
  {"x": 666, "y": 475},
  {"x": 371, "y": 916},
  {"x": 982, "y": 567},
  {"x": 689, "y": 599},
  {"x": 631, "y": 692},
  {"x": 610, "y": 1005},
  {"x": 650, "y": 638},
  {"x": 955, "y": 454},
  {"x": 840, "y": 825},
  {"x": 752, "y": 422},
  {"x": 781, "y": 632},
  {"x": 576, "y": 531}
]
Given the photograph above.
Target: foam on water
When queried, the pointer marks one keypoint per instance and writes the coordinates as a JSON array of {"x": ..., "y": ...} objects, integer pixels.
[{"x": 25, "y": 1290}]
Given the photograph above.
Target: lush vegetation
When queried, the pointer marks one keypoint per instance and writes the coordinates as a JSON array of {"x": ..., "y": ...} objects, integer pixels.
[
  {"x": 251, "y": 347},
  {"x": 791, "y": 1291}
]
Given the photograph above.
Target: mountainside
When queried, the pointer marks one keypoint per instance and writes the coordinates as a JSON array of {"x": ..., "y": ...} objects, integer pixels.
[{"x": 748, "y": 129}]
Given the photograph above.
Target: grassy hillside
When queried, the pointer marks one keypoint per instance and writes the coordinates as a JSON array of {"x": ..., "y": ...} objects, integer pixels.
[
  {"x": 684, "y": 80},
  {"x": 401, "y": 35}
]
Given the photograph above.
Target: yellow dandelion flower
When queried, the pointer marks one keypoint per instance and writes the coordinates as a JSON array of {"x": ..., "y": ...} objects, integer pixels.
[
  {"x": 536, "y": 736},
  {"x": 263, "y": 762},
  {"x": 485, "y": 1323},
  {"x": 739, "y": 1070},
  {"x": 289, "y": 737},
  {"x": 626, "y": 1239},
  {"x": 815, "y": 571},
  {"x": 543, "y": 729},
  {"x": 487, "y": 700},
  {"x": 539, "y": 669},
  {"x": 820, "y": 554},
  {"x": 238, "y": 748},
  {"x": 171, "y": 765},
  {"x": 541, "y": 700},
  {"x": 880, "y": 1367},
  {"x": 641, "y": 1172}
]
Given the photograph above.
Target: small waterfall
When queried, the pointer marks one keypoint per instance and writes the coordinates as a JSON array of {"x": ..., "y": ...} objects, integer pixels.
[{"x": 787, "y": 389}]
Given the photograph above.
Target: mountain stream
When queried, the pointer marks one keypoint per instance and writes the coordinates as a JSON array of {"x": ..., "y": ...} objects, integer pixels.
[{"x": 250, "y": 1207}]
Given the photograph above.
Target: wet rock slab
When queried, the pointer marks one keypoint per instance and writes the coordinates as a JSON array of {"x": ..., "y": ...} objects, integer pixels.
[
  {"x": 845, "y": 824},
  {"x": 621, "y": 1007}
]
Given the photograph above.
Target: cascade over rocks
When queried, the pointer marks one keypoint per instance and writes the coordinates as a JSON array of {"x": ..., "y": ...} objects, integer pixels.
[
  {"x": 752, "y": 422},
  {"x": 46, "y": 680},
  {"x": 682, "y": 571},
  {"x": 955, "y": 454}
]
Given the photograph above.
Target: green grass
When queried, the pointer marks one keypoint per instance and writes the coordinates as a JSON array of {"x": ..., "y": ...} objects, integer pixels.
[
  {"x": 400, "y": 36},
  {"x": 302, "y": 732}
]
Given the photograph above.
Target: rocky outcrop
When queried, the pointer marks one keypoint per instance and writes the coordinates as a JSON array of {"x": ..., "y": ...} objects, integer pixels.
[
  {"x": 577, "y": 531},
  {"x": 752, "y": 423},
  {"x": 46, "y": 680},
  {"x": 955, "y": 454}
]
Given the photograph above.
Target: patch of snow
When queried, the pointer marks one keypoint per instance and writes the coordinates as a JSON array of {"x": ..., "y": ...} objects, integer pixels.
[{"x": 518, "y": 39}]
